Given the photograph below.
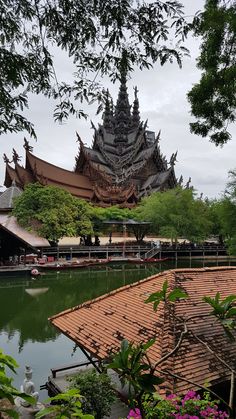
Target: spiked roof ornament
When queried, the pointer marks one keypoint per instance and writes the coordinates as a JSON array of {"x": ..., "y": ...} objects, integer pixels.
[
  {"x": 27, "y": 145},
  {"x": 15, "y": 156},
  {"x": 107, "y": 116},
  {"x": 136, "y": 115},
  {"x": 6, "y": 159},
  {"x": 122, "y": 119}
]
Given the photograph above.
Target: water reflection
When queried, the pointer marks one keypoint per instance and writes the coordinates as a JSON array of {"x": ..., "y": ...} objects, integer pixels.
[{"x": 26, "y": 304}]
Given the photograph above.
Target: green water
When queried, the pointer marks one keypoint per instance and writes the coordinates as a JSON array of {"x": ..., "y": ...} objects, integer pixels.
[{"x": 26, "y": 304}]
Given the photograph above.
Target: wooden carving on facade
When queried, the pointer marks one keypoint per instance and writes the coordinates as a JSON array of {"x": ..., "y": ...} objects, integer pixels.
[{"x": 123, "y": 164}]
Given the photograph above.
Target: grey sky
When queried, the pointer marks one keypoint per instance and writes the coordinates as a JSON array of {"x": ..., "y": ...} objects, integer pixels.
[{"x": 162, "y": 97}]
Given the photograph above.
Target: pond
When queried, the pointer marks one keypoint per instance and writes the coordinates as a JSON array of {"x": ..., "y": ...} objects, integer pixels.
[{"x": 26, "y": 304}]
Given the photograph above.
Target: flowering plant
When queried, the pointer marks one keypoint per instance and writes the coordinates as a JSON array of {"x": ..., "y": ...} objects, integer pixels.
[
  {"x": 134, "y": 414},
  {"x": 189, "y": 406}
]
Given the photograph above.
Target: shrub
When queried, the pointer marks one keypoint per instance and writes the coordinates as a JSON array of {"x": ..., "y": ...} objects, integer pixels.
[{"x": 97, "y": 391}]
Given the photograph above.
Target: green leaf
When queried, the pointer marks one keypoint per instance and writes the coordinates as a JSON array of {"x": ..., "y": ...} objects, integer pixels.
[
  {"x": 148, "y": 344},
  {"x": 164, "y": 288},
  {"x": 26, "y": 397},
  {"x": 10, "y": 412},
  {"x": 155, "y": 305},
  {"x": 156, "y": 296},
  {"x": 177, "y": 293},
  {"x": 45, "y": 412},
  {"x": 231, "y": 312},
  {"x": 149, "y": 381}
]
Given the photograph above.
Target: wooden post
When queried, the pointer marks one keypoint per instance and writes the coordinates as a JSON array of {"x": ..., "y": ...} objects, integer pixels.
[
  {"x": 231, "y": 395},
  {"x": 90, "y": 359}
]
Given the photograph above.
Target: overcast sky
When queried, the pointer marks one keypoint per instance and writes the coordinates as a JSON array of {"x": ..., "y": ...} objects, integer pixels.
[{"x": 162, "y": 97}]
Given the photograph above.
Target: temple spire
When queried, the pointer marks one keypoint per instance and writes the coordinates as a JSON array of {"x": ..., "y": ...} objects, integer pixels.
[
  {"x": 136, "y": 115},
  {"x": 107, "y": 116},
  {"x": 122, "y": 118}
]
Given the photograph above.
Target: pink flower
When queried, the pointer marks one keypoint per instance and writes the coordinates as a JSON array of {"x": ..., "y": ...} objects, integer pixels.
[
  {"x": 134, "y": 414},
  {"x": 171, "y": 397},
  {"x": 190, "y": 395}
]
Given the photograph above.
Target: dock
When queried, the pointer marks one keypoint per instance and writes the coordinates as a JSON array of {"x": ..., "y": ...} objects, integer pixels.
[
  {"x": 58, "y": 383},
  {"x": 15, "y": 270}
]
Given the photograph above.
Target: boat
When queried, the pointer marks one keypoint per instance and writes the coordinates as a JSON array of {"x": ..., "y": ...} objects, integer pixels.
[
  {"x": 147, "y": 260},
  {"x": 73, "y": 265}
]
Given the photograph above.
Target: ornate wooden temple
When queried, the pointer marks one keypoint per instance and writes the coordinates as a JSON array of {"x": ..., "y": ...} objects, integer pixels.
[{"x": 124, "y": 163}]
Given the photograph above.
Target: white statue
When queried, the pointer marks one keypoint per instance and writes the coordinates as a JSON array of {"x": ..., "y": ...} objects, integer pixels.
[{"x": 28, "y": 387}]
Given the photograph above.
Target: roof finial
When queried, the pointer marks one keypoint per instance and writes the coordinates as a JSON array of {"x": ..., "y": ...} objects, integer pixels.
[
  {"x": 136, "y": 115},
  {"x": 6, "y": 159},
  {"x": 27, "y": 145},
  {"x": 107, "y": 116},
  {"x": 187, "y": 186},
  {"x": 79, "y": 140},
  {"x": 180, "y": 181},
  {"x": 173, "y": 159},
  {"x": 15, "y": 156}
]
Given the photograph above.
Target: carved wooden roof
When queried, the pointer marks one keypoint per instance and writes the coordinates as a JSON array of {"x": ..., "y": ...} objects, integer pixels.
[
  {"x": 123, "y": 158},
  {"x": 123, "y": 149}
]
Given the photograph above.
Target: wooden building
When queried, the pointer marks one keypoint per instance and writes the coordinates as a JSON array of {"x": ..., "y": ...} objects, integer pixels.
[
  {"x": 124, "y": 163},
  {"x": 14, "y": 239}
]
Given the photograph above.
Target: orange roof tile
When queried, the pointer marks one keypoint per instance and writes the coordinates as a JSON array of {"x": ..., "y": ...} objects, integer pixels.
[{"x": 100, "y": 325}]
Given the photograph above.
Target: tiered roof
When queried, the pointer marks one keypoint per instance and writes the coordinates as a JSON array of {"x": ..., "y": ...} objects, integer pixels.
[
  {"x": 8, "y": 196},
  {"x": 124, "y": 163}
]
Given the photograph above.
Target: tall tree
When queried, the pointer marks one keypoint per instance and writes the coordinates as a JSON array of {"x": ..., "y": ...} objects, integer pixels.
[
  {"x": 213, "y": 99},
  {"x": 176, "y": 213},
  {"x": 223, "y": 213},
  {"x": 52, "y": 212},
  {"x": 103, "y": 37}
]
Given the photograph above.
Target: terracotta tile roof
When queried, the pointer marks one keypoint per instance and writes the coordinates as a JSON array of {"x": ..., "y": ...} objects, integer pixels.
[{"x": 100, "y": 325}]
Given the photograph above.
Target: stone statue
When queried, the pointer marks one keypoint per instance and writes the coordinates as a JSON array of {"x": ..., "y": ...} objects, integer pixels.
[
  {"x": 28, "y": 387},
  {"x": 25, "y": 409}
]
